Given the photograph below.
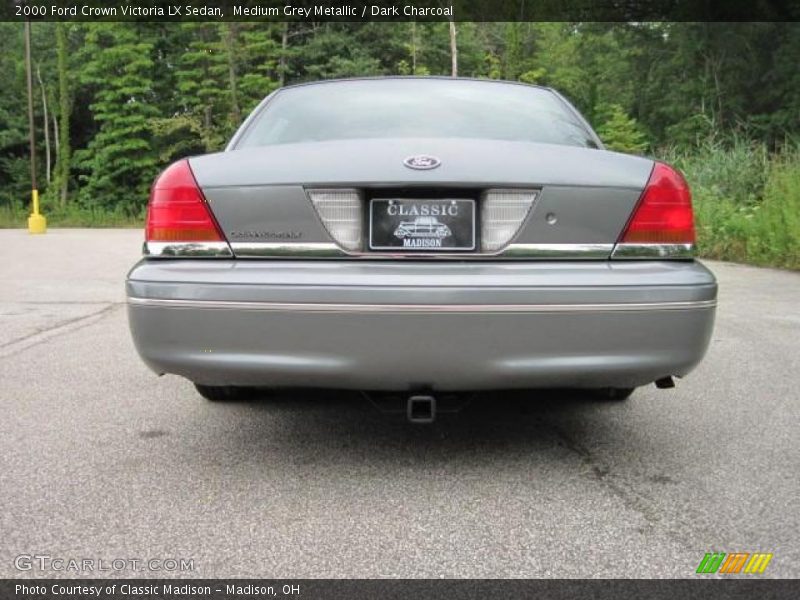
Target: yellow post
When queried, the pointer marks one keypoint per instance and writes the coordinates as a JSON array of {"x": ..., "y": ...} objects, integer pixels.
[{"x": 36, "y": 222}]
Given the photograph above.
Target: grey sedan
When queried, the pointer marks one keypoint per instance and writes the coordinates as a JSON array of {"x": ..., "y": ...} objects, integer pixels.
[{"x": 276, "y": 263}]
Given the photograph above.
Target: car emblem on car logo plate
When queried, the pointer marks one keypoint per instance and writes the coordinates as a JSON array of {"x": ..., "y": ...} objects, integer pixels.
[{"x": 422, "y": 162}]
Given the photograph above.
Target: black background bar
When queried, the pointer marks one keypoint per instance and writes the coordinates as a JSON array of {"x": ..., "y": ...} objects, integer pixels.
[
  {"x": 461, "y": 10},
  {"x": 700, "y": 587}
]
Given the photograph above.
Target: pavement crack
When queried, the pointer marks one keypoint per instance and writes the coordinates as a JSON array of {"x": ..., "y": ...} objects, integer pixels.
[
  {"x": 602, "y": 473},
  {"x": 43, "y": 334},
  {"x": 625, "y": 491}
]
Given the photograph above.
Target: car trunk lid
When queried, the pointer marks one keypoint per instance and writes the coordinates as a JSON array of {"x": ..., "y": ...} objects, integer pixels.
[{"x": 581, "y": 197}]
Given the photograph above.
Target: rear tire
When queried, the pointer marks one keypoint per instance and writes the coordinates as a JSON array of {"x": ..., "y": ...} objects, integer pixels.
[
  {"x": 614, "y": 394},
  {"x": 222, "y": 393}
]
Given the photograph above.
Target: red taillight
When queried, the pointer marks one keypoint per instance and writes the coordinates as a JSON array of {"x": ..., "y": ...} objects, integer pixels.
[
  {"x": 664, "y": 213},
  {"x": 177, "y": 211}
]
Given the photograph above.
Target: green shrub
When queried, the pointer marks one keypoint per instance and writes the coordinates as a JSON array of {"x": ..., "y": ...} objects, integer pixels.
[
  {"x": 774, "y": 230},
  {"x": 747, "y": 201}
]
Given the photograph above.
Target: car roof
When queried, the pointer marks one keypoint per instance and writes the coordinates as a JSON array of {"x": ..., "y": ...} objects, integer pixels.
[{"x": 413, "y": 78}]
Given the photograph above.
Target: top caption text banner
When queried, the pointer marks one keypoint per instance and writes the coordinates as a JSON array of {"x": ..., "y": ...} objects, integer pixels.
[{"x": 411, "y": 10}]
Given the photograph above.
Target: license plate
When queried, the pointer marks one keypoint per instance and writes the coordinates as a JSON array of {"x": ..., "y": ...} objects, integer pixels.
[{"x": 438, "y": 225}]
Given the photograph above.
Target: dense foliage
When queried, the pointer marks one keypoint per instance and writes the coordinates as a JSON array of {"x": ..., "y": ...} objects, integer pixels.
[{"x": 124, "y": 99}]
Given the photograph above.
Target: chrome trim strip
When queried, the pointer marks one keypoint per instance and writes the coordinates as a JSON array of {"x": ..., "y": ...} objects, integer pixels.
[
  {"x": 577, "y": 251},
  {"x": 331, "y": 250},
  {"x": 420, "y": 308},
  {"x": 287, "y": 250},
  {"x": 187, "y": 250},
  {"x": 650, "y": 251}
]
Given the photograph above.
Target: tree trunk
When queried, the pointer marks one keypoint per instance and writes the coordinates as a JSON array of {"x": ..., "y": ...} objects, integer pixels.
[
  {"x": 233, "y": 77},
  {"x": 453, "y": 49},
  {"x": 282, "y": 60},
  {"x": 46, "y": 125},
  {"x": 64, "y": 108},
  {"x": 56, "y": 141},
  {"x": 413, "y": 47}
]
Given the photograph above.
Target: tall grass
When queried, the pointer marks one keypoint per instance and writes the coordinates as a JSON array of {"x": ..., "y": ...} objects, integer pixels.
[
  {"x": 16, "y": 215},
  {"x": 747, "y": 201}
]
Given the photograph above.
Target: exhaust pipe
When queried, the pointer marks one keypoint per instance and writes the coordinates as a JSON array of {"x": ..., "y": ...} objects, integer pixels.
[
  {"x": 665, "y": 383},
  {"x": 421, "y": 409}
]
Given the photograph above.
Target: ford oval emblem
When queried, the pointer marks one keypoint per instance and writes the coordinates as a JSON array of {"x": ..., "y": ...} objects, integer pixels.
[{"x": 422, "y": 162}]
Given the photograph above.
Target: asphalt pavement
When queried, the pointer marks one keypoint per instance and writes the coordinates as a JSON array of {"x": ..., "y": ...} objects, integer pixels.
[{"x": 100, "y": 459}]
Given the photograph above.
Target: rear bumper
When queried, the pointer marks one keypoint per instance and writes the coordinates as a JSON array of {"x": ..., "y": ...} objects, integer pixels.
[{"x": 390, "y": 326}]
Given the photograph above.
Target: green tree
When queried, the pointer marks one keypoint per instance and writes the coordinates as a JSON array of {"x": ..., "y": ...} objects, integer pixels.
[
  {"x": 120, "y": 160},
  {"x": 14, "y": 174},
  {"x": 203, "y": 95},
  {"x": 619, "y": 131},
  {"x": 329, "y": 52},
  {"x": 258, "y": 53}
]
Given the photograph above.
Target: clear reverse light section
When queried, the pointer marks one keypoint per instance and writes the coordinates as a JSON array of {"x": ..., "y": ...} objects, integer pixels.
[
  {"x": 340, "y": 211},
  {"x": 502, "y": 215}
]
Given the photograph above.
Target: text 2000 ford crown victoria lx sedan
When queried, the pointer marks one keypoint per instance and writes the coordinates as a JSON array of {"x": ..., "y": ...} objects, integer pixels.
[{"x": 287, "y": 259}]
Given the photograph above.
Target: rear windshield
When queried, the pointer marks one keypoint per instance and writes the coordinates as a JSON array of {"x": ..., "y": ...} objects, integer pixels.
[{"x": 398, "y": 108}]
